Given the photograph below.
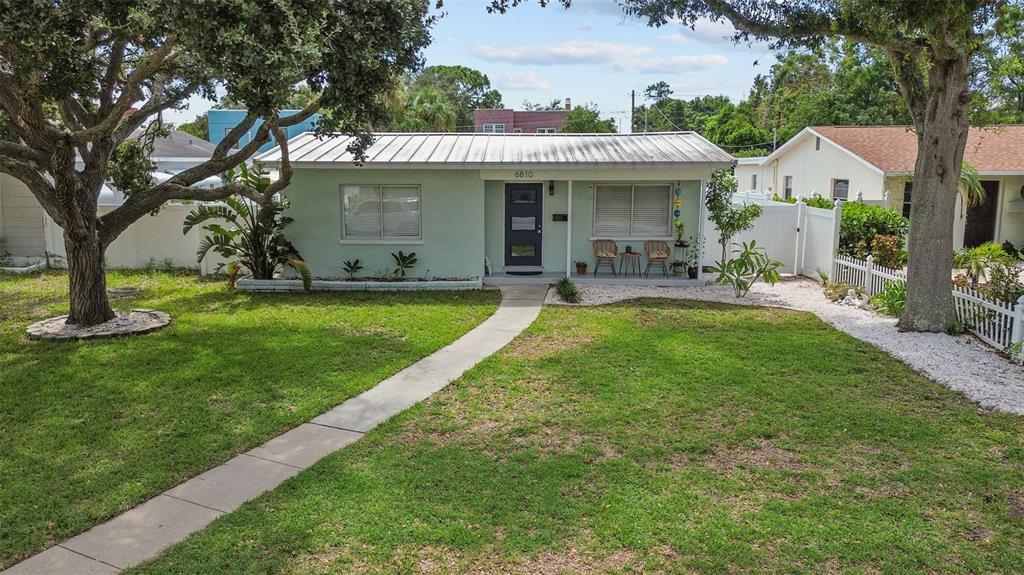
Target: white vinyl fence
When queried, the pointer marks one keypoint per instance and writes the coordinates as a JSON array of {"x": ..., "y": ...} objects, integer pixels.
[
  {"x": 801, "y": 237},
  {"x": 997, "y": 323},
  {"x": 152, "y": 241}
]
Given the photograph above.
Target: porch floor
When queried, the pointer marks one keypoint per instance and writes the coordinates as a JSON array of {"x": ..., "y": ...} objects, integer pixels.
[{"x": 604, "y": 278}]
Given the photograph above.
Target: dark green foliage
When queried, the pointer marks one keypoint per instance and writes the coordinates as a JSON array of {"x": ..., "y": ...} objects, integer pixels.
[
  {"x": 862, "y": 222},
  {"x": 891, "y": 299},
  {"x": 254, "y": 235},
  {"x": 587, "y": 119},
  {"x": 1004, "y": 283},
  {"x": 351, "y": 267},
  {"x": 567, "y": 291},
  {"x": 403, "y": 262}
]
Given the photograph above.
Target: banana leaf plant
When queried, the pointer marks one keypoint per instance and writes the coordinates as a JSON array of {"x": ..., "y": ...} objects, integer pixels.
[{"x": 249, "y": 234}]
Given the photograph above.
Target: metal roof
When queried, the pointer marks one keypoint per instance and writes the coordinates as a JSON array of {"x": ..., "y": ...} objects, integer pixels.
[{"x": 497, "y": 151}]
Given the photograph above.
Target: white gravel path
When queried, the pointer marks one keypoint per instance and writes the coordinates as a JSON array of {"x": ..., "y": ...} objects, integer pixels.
[{"x": 961, "y": 363}]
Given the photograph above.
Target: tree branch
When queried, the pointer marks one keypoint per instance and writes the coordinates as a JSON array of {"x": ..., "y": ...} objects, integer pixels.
[{"x": 131, "y": 93}]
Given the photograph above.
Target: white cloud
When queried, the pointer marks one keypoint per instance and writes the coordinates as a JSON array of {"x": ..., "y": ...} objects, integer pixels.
[
  {"x": 673, "y": 37},
  {"x": 570, "y": 52},
  {"x": 587, "y": 26},
  {"x": 618, "y": 57},
  {"x": 671, "y": 64},
  {"x": 529, "y": 81}
]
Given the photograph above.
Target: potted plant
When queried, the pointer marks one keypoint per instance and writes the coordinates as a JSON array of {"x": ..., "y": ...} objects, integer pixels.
[
  {"x": 680, "y": 227},
  {"x": 581, "y": 267},
  {"x": 678, "y": 266},
  {"x": 692, "y": 258}
]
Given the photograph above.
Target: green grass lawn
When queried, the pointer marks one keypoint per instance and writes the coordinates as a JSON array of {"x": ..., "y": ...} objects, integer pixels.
[
  {"x": 655, "y": 437},
  {"x": 90, "y": 429}
]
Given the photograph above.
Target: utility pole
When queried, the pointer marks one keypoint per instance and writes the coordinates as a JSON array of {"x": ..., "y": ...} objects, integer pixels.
[{"x": 632, "y": 108}]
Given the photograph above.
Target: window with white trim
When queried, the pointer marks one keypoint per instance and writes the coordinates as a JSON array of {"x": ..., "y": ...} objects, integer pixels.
[
  {"x": 546, "y": 130},
  {"x": 840, "y": 189},
  {"x": 494, "y": 128},
  {"x": 787, "y": 186},
  {"x": 753, "y": 182},
  {"x": 380, "y": 212},
  {"x": 625, "y": 210}
]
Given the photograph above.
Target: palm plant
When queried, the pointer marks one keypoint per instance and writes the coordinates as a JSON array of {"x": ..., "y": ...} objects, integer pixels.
[
  {"x": 249, "y": 235},
  {"x": 976, "y": 261},
  {"x": 970, "y": 186}
]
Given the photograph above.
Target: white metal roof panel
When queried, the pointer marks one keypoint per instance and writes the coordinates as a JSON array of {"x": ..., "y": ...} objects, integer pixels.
[{"x": 495, "y": 151}]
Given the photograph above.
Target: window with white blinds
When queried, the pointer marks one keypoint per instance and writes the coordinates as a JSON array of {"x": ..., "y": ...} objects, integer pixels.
[
  {"x": 381, "y": 212},
  {"x": 622, "y": 210}
]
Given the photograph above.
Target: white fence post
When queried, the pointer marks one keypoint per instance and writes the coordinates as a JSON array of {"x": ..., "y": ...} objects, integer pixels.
[
  {"x": 869, "y": 275},
  {"x": 1018, "y": 322},
  {"x": 837, "y": 218},
  {"x": 801, "y": 221}
]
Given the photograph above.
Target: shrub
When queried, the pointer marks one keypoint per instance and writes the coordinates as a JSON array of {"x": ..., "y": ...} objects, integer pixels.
[
  {"x": 750, "y": 264},
  {"x": 975, "y": 261},
  {"x": 819, "y": 202},
  {"x": 1004, "y": 283},
  {"x": 886, "y": 251},
  {"x": 403, "y": 263},
  {"x": 567, "y": 291},
  {"x": 836, "y": 291},
  {"x": 352, "y": 267},
  {"x": 862, "y": 222},
  {"x": 890, "y": 301}
]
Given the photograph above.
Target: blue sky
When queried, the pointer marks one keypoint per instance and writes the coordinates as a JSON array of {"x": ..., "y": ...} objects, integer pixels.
[{"x": 589, "y": 53}]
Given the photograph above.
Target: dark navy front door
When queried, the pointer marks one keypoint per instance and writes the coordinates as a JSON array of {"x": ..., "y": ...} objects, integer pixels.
[{"x": 524, "y": 216}]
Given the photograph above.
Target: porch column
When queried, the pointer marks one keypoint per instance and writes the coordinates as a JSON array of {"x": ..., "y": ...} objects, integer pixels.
[
  {"x": 568, "y": 234},
  {"x": 701, "y": 238}
]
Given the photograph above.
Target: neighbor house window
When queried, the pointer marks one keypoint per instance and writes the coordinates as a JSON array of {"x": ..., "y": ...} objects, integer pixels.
[
  {"x": 624, "y": 210},
  {"x": 546, "y": 130},
  {"x": 381, "y": 212},
  {"x": 787, "y": 186},
  {"x": 817, "y": 143},
  {"x": 908, "y": 187},
  {"x": 517, "y": 130},
  {"x": 841, "y": 190},
  {"x": 494, "y": 128},
  {"x": 753, "y": 182}
]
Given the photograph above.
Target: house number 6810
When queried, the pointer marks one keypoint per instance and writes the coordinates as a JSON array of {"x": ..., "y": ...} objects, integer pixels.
[{"x": 524, "y": 173}]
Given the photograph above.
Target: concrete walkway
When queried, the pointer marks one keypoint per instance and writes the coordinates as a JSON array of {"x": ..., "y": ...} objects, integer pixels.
[{"x": 143, "y": 532}]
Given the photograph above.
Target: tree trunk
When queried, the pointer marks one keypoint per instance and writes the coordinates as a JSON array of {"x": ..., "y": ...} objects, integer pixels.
[
  {"x": 87, "y": 280},
  {"x": 941, "y": 139}
]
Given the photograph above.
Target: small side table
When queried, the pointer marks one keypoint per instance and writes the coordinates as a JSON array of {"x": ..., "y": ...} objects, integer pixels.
[{"x": 630, "y": 263}]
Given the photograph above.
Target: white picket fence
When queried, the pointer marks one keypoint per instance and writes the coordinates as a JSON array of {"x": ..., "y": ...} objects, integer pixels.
[{"x": 997, "y": 323}]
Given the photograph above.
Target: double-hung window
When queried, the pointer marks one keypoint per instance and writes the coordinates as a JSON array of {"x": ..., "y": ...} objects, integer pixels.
[
  {"x": 787, "y": 187},
  {"x": 381, "y": 212},
  {"x": 626, "y": 210},
  {"x": 841, "y": 190},
  {"x": 546, "y": 130},
  {"x": 494, "y": 128}
]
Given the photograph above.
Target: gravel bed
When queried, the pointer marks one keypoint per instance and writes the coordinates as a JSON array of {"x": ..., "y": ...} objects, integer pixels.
[{"x": 961, "y": 363}]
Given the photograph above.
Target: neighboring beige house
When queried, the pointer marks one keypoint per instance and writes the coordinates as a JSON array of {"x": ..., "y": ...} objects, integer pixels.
[{"x": 876, "y": 161}]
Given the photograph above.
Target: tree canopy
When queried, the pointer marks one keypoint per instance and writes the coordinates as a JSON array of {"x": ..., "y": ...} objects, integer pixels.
[
  {"x": 587, "y": 119},
  {"x": 78, "y": 78}
]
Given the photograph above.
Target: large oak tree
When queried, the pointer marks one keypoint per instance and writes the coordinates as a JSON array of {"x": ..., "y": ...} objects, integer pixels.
[
  {"x": 930, "y": 44},
  {"x": 79, "y": 77}
]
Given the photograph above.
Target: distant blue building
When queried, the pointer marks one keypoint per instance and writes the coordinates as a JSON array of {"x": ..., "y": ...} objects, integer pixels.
[{"x": 220, "y": 122}]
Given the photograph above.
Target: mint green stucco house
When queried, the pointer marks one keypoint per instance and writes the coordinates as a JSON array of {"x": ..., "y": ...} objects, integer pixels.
[{"x": 472, "y": 205}]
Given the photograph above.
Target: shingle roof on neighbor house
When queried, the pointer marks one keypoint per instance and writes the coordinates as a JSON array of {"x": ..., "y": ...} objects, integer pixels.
[
  {"x": 178, "y": 144},
  {"x": 491, "y": 151},
  {"x": 993, "y": 149}
]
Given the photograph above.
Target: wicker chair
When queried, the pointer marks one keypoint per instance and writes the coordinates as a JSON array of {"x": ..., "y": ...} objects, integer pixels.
[
  {"x": 605, "y": 252},
  {"x": 657, "y": 253}
]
